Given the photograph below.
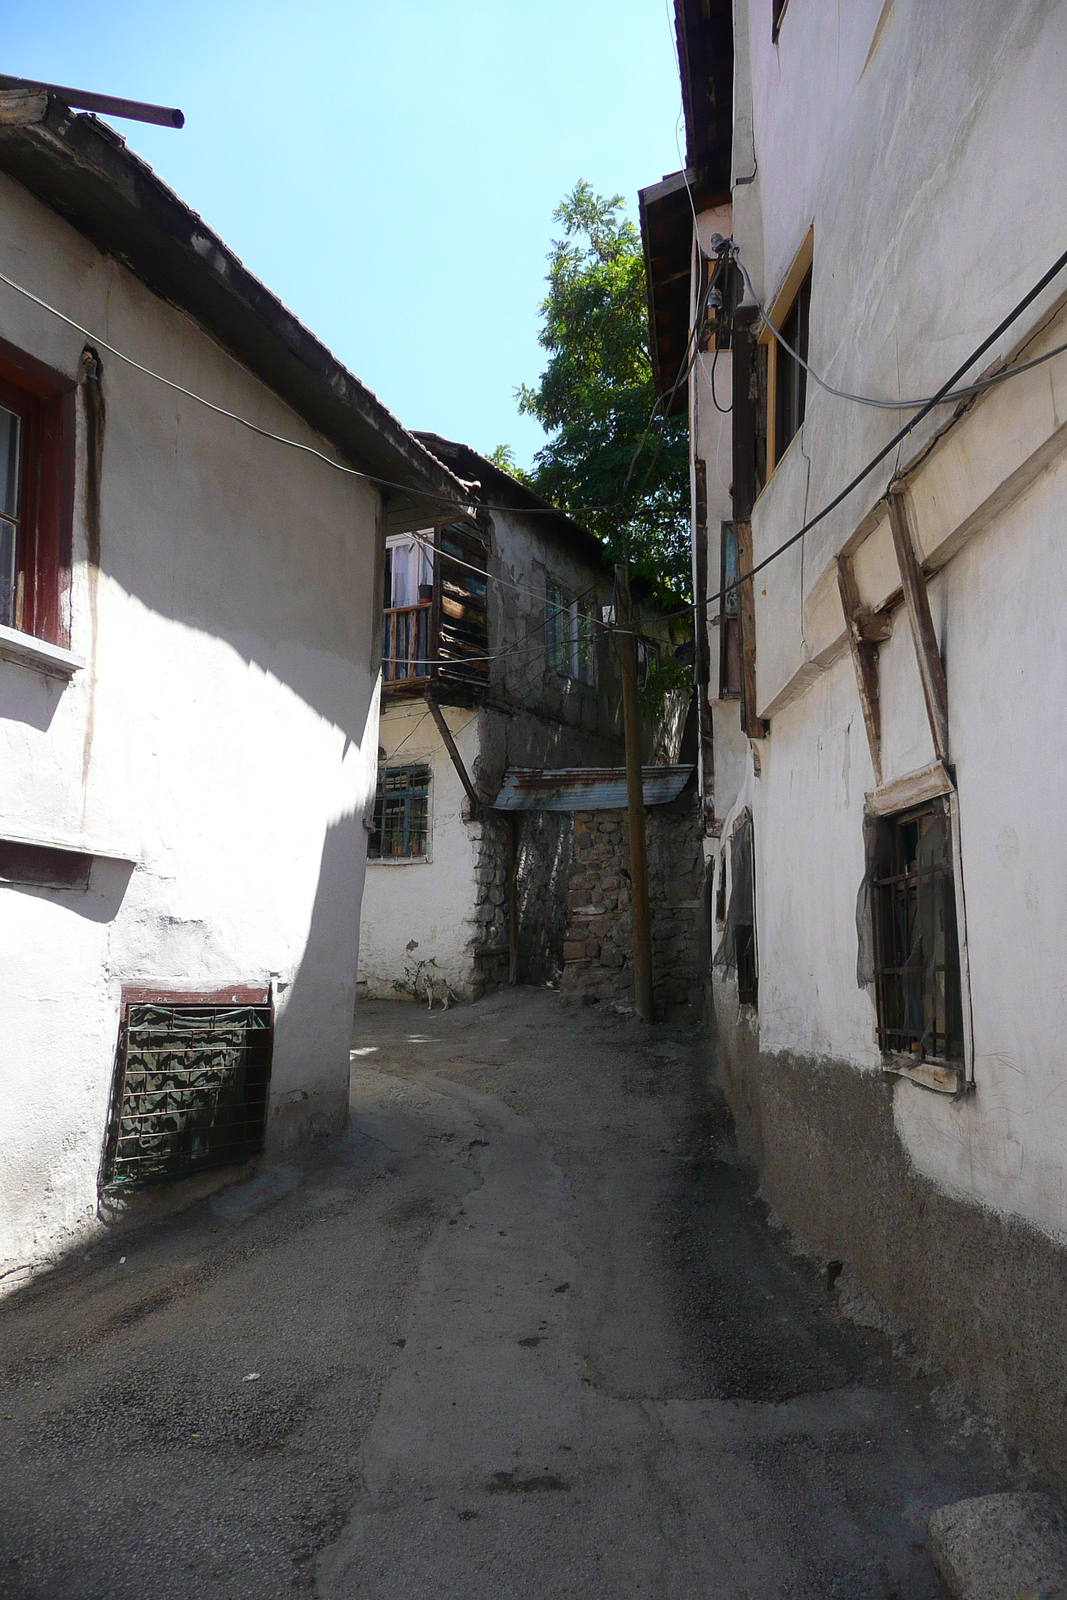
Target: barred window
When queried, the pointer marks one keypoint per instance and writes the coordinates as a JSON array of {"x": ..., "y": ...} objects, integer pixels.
[
  {"x": 401, "y": 814},
  {"x": 916, "y": 946},
  {"x": 569, "y": 641}
]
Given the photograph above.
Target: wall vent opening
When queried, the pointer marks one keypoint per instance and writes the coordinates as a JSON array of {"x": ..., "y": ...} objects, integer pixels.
[{"x": 192, "y": 1076}]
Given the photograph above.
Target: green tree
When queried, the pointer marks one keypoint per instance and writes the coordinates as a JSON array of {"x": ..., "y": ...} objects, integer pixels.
[
  {"x": 596, "y": 397},
  {"x": 504, "y": 458}
]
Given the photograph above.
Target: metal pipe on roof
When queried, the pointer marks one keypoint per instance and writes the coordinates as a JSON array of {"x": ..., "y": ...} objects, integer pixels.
[{"x": 108, "y": 105}]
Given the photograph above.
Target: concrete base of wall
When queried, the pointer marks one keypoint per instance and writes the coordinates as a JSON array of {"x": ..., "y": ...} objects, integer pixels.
[{"x": 983, "y": 1296}]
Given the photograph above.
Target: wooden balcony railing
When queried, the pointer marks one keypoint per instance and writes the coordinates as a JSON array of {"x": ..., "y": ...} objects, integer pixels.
[{"x": 406, "y": 650}]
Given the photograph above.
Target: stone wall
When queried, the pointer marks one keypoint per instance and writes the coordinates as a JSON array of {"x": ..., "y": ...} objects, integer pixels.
[
  {"x": 543, "y": 867},
  {"x": 598, "y": 950},
  {"x": 488, "y": 941}
]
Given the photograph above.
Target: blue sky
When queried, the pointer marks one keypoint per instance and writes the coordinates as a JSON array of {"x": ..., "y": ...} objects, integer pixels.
[{"x": 389, "y": 169}]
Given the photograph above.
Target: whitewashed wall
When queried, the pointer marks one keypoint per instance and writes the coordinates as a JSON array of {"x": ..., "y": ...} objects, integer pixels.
[
  {"x": 221, "y": 740},
  {"x": 913, "y": 145},
  {"x": 431, "y": 900}
]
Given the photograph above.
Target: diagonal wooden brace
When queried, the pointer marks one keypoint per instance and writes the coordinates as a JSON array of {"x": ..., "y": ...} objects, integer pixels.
[
  {"x": 457, "y": 760},
  {"x": 864, "y": 658},
  {"x": 917, "y": 603}
]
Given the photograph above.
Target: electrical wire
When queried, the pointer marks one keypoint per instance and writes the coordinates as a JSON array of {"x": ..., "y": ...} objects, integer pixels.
[
  {"x": 455, "y": 733},
  {"x": 426, "y": 493},
  {"x": 945, "y": 395},
  {"x": 901, "y": 434},
  {"x": 887, "y": 405}
]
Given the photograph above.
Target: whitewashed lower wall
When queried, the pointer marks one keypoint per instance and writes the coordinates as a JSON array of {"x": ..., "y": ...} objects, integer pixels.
[
  {"x": 431, "y": 901},
  {"x": 216, "y": 753},
  {"x": 1006, "y": 666}
]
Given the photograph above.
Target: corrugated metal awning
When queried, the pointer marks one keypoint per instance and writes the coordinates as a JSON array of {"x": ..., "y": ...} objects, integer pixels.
[{"x": 585, "y": 788}]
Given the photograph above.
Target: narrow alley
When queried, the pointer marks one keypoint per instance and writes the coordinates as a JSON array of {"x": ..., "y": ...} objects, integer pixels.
[{"x": 524, "y": 1329}]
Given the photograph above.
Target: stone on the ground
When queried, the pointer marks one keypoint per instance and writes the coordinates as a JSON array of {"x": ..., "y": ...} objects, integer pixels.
[{"x": 1000, "y": 1546}]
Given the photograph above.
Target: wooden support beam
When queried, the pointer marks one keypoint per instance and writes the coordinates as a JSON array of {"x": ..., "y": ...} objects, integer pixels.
[
  {"x": 457, "y": 760},
  {"x": 864, "y": 659},
  {"x": 635, "y": 801},
  {"x": 917, "y": 602}
]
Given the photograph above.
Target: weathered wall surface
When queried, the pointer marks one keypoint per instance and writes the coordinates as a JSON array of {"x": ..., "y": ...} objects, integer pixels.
[
  {"x": 545, "y": 843},
  {"x": 437, "y": 900},
  {"x": 982, "y": 1294},
  {"x": 217, "y": 751},
  {"x": 965, "y": 1219},
  {"x": 953, "y": 1211},
  {"x": 598, "y": 951}
]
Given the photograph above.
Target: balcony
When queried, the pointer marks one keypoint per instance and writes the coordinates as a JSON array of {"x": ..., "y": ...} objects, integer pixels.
[
  {"x": 443, "y": 637},
  {"x": 406, "y": 646}
]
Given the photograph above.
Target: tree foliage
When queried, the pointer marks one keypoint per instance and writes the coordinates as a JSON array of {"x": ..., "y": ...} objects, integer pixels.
[{"x": 596, "y": 396}]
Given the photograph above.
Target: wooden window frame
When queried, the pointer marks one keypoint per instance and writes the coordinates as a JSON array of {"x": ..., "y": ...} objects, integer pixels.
[
  {"x": 570, "y": 645},
  {"x": 44, "y": 401},
  {"x": 421, "y": 790},
  {"x": 731, "y": 654},
  {"x": 906, "y": 1011},
  {"x": 769, "y": 350}
]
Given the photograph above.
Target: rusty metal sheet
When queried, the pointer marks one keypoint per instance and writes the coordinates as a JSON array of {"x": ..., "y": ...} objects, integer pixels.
[{"x": 585, "y": 788}]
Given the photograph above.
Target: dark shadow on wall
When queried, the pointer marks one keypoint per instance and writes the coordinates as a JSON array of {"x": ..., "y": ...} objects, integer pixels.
[
  {"x": 28, "y": 695},
  {"x": 542, "y": 874},
  {"x": 108, "y": 881},
  {"x": 313, "y": 1026}
]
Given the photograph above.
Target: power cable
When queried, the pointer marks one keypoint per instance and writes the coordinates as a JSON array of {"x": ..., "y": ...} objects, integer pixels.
[
  {"x": 901, "y": 434},
  {"x": 945, "y": 395},
  {"x": 867, "y": 400}
]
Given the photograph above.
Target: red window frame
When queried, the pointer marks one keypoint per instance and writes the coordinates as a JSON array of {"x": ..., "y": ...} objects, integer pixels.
[{"x": 44, "y": 400}]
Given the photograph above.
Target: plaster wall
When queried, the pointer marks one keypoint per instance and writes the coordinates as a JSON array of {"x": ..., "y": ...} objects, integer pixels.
[
  {"x": 431, "y": 900},
  {"x": 912, "y": 142},
  {"x": 1003, "y": 1145},
  {"x": 526, "y": 557},
  {"x": 216, "y": 753}
]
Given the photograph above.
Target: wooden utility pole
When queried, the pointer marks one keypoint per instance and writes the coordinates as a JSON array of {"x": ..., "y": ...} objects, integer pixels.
[{"x": 635, "y": 799}]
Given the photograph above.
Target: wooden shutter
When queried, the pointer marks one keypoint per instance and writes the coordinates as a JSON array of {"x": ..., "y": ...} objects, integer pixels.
[{"x": 461, "y": 622}]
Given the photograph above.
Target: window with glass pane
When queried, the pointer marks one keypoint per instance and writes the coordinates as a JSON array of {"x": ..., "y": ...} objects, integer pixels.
[
  {"x": 401, "y": 814},
  {"x": 556, "y": 628},
  {"x": 582, "y": 625},
  {"x": 10, "y": 473},
  {"x": 569, "y": 638}
]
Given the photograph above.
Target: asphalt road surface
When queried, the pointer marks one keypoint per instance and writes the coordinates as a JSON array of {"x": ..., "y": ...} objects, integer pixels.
[{"x": 523, "y": 1330}]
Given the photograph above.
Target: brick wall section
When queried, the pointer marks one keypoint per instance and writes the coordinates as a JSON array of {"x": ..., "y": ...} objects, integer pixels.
[{"x": 598, "y": 950}]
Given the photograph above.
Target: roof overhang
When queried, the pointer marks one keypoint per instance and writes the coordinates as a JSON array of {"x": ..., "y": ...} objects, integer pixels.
[
  {"x": 585, "y": 788},
  {"x": 704, "y": 30},
  {"x": 705, "y": 34},
  {"x": 495, "y": 486},
  {"x": 666, "y": 213},
  {"x": 81, "y": 169}
]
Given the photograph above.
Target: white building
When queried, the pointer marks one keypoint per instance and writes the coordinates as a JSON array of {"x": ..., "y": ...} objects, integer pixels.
[
  {"x": 189, "y": 643},
  {"x": 493, "y": 632},
  {"x": 890, "y": 779}
]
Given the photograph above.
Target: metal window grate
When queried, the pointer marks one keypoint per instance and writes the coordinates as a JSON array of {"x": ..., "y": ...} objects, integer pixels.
[
  {"x": 916, "y": 948},
  {"x": 401, "y": 814},
  {"x": 190, "y": 1090}
]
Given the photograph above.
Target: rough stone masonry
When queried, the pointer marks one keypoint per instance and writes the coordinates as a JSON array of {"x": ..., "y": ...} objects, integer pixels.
[{"x": 598, "y": 952}]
